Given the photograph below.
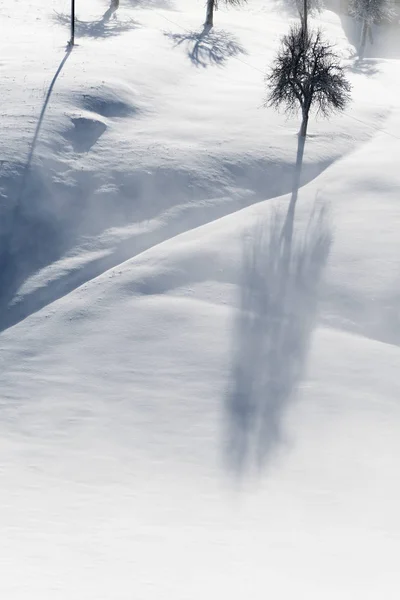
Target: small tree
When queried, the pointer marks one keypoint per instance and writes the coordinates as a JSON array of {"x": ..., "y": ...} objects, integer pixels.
[
  {"x": 212, "y": 5},
  {"x": 370, "y": 12},
  {"x": 306, "y": 74}
]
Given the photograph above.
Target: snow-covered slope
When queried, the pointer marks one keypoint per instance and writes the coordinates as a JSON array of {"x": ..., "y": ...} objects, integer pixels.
[
  {"x": 132, "y": 151},
  {"x": 165, "y": 350}
]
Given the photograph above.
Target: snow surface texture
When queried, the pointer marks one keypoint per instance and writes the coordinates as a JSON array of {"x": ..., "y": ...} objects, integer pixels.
[{"x": 180, "y": 416}]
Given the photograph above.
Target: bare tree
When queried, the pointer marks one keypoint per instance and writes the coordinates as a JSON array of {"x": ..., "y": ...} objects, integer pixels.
[
  {"x": 370, "y": 12},
  {"x": 212, "y": 5},
  {"x": 306, "y": 74}
]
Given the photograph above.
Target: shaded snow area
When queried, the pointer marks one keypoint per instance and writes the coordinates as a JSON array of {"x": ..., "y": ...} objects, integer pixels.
[{"x": 183, "y": 416}]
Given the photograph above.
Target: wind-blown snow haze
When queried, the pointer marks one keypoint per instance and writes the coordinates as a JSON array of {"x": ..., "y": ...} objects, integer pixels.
[{"x": 199, "y": 382}]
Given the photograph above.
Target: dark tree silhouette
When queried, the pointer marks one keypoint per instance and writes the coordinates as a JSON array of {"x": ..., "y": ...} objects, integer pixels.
[
  {"x": 370, "y": 12},
  {"x": 212, "y": 5},
  {"x": 306, "y": 74}
]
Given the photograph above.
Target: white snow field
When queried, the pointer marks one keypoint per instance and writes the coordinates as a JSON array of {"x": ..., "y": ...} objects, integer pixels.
[{"x": 179, "y": 418}]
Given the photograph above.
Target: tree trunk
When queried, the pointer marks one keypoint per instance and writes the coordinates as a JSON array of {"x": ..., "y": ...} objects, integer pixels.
[
  {"x": 305, "y": 18},
  {"x": 370, "y": 35},
  {"x": 210, "y": 13},
  {"x": 363, "y": 39},
  {"x": 304, "y": 123},
  {"x": 303, "y": 14},
  {"x": 296, "y": 182},
  {"x": 289, "y": 221},
  {"x": 72, "y": 40}
]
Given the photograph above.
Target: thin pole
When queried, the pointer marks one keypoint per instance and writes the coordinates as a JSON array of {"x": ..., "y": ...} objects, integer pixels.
[
  {"x": 72, "y": 41},
  {"x": 305, "y": 19}
]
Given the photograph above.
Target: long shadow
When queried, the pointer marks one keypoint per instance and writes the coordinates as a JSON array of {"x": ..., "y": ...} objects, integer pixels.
[
  {"x": 278, "y": 300},
  {"x": 9, "y": 263},
  {"x": 39, "y": 126},
  {"x": 208, "y": 47},
  {"x": 103, "y": 28}
]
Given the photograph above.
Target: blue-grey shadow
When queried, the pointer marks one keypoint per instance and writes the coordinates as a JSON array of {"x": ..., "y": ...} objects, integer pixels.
[
  {"x": 27, "y": 167},
  {"x": 12, "y": 271},
  {"x": 365, "y": 66},
  {"x": 209, "y": 46},
  {"x": 103, "y": 28},
  {"x": 277, "y": 305}
]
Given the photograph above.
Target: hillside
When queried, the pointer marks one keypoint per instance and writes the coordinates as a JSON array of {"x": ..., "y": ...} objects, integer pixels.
[{"x": 144, "y": 339}]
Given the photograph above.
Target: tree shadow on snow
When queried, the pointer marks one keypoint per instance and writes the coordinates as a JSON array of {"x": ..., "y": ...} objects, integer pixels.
[
  {"x": 161, "y": 4},
  {"x": 208, "y": 47},
  {"x": 365, "y": 66},
  {"x": 38, "y": 127},
  {"x": 278, "y": 299},
  {"x": 11, "y": 273},
  {"x": 108, "y": 26}
]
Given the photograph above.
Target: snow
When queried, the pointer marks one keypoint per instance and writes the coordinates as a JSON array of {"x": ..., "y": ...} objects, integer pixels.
[{"x": 144, "y": 233}]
